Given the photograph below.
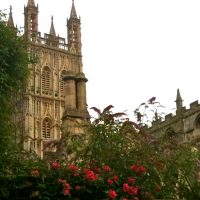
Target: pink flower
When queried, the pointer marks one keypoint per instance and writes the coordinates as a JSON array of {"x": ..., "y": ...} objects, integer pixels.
[
  {"x": 112, "y": 194},
  {"x": 77, "y": 187},
  {"x": 106, "y": 168},
  {"x": 67, "y": 186}
]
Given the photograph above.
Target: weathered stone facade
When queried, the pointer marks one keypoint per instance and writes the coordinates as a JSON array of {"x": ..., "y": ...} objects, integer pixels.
[
  {"x": 183, "y": 126},
  {"x": 55, "y": 95}
]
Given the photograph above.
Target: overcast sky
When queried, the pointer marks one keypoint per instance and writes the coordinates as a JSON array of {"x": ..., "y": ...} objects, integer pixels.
[{"x": 132, "y": 49}]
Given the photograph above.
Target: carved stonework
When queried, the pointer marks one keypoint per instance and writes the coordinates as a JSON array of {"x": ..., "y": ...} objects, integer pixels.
[{"x": 49, "y": 99}]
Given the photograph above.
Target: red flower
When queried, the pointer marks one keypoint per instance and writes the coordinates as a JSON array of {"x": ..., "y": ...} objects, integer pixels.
[
  {"x": 133, "y": 191},
  {"x": 106, "y": 168},
  {"x": 55, "y": 165},
  {"x": 96, "y": 169},
  {"x": 131, "y": 180},
  {"x": 142, "y": 169},
  {"x": 77, "y": 187},
  {"x": 90, "y": 175},
  {"x": 66, "y": 192},
  {"x": 115, "y": 178},
  {"x": 138, "y": 169},
  {"x": 110, "y": 181},
  {"x": 125, "y": 187},
  {"x": 112, "y": 194},
  {"x": 67, "y": 186},
  {"x": 134, "y": 167},
  {"x": 73, "y": 167},
  {"x": 129, "y": 189}
]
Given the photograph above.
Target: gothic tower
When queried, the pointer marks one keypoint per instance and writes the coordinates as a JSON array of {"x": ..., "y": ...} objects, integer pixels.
[{"x": 55, "y": 95}]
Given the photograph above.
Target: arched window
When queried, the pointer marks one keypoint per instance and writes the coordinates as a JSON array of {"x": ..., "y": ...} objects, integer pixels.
[
  {"x": 197, "y": 122},
  {"x": 46, "y": 78},
  {"x": 46, "y": 129},
  {"x": 170, "y": 133}
]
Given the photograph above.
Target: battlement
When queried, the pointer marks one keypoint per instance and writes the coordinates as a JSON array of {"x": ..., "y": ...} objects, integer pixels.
[
  {"x": 50, "y": 40},
  {"x": 194, "y": 104},
  {"x": 182, "y": 113}
]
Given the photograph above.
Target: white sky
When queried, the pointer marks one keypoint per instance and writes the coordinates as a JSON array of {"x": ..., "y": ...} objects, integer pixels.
[{"x": 132, "y": 49}]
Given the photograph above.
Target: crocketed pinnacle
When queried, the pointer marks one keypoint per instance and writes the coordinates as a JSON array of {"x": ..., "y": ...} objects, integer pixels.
[
  {"x": 52, "y": 29},
  {"x": 178, "y": 96},
  {"x": 31, "y": 3},
  {"x": 73, "y": 11},
  {"x": 10, "y": 18},
  {"x": 179, "y": 101}
]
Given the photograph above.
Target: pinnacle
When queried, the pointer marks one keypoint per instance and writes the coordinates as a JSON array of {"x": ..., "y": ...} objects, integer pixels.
[
  {"x": 10, "y": 19},
  {"x": 31, "y": 3},
  {"x": 73, "y": 11},
  {"x": 52, "y": 29}
]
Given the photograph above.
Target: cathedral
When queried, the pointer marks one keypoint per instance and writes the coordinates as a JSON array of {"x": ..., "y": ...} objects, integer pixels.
[{"x": 55, "y": 96}]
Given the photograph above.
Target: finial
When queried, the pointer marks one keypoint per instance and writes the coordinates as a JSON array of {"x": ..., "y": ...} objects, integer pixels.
[
  {"x": 52, "y": 29},
  {"x": 10, "y": 18},
  {"x": 10, "y": 9},
  {"x": 179, "y": 101},
  {"x": 31, "y": 3}
]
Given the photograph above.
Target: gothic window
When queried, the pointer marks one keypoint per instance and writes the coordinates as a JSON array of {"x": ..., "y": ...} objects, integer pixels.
[
  {"x": 46, "y": 78},
  {"x": 46, "y": 129},
  {"x": 197, "y": 122}
]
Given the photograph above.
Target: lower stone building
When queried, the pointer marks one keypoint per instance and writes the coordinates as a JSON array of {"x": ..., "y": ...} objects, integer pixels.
[{"x": 184, "y": 126}]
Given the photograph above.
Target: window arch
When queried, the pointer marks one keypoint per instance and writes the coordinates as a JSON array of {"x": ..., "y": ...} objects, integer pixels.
[
  {"x": 46, "y": 129},
  {"x": 46, "y": 78}
]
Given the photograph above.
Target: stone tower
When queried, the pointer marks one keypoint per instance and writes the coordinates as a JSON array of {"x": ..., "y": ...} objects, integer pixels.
[{"x": 55, "y": 95}]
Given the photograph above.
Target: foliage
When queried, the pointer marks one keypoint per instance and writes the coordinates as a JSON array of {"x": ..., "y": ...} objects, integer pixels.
[{"x": 13, "y": 76}]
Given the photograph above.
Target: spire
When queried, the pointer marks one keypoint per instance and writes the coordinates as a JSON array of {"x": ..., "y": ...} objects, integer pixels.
[
  {"x": 10, "y": 18},
  {"x": 179, "y": 101},
  {"x": 73, "y": 11},
  {"x": 31, "y": 3},
  {"x": 52, "y": 29}
]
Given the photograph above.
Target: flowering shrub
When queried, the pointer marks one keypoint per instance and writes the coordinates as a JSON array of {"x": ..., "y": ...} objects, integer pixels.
[
  {"x": 95, "y": 181},
  {"x": 120, "y": 161}
]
